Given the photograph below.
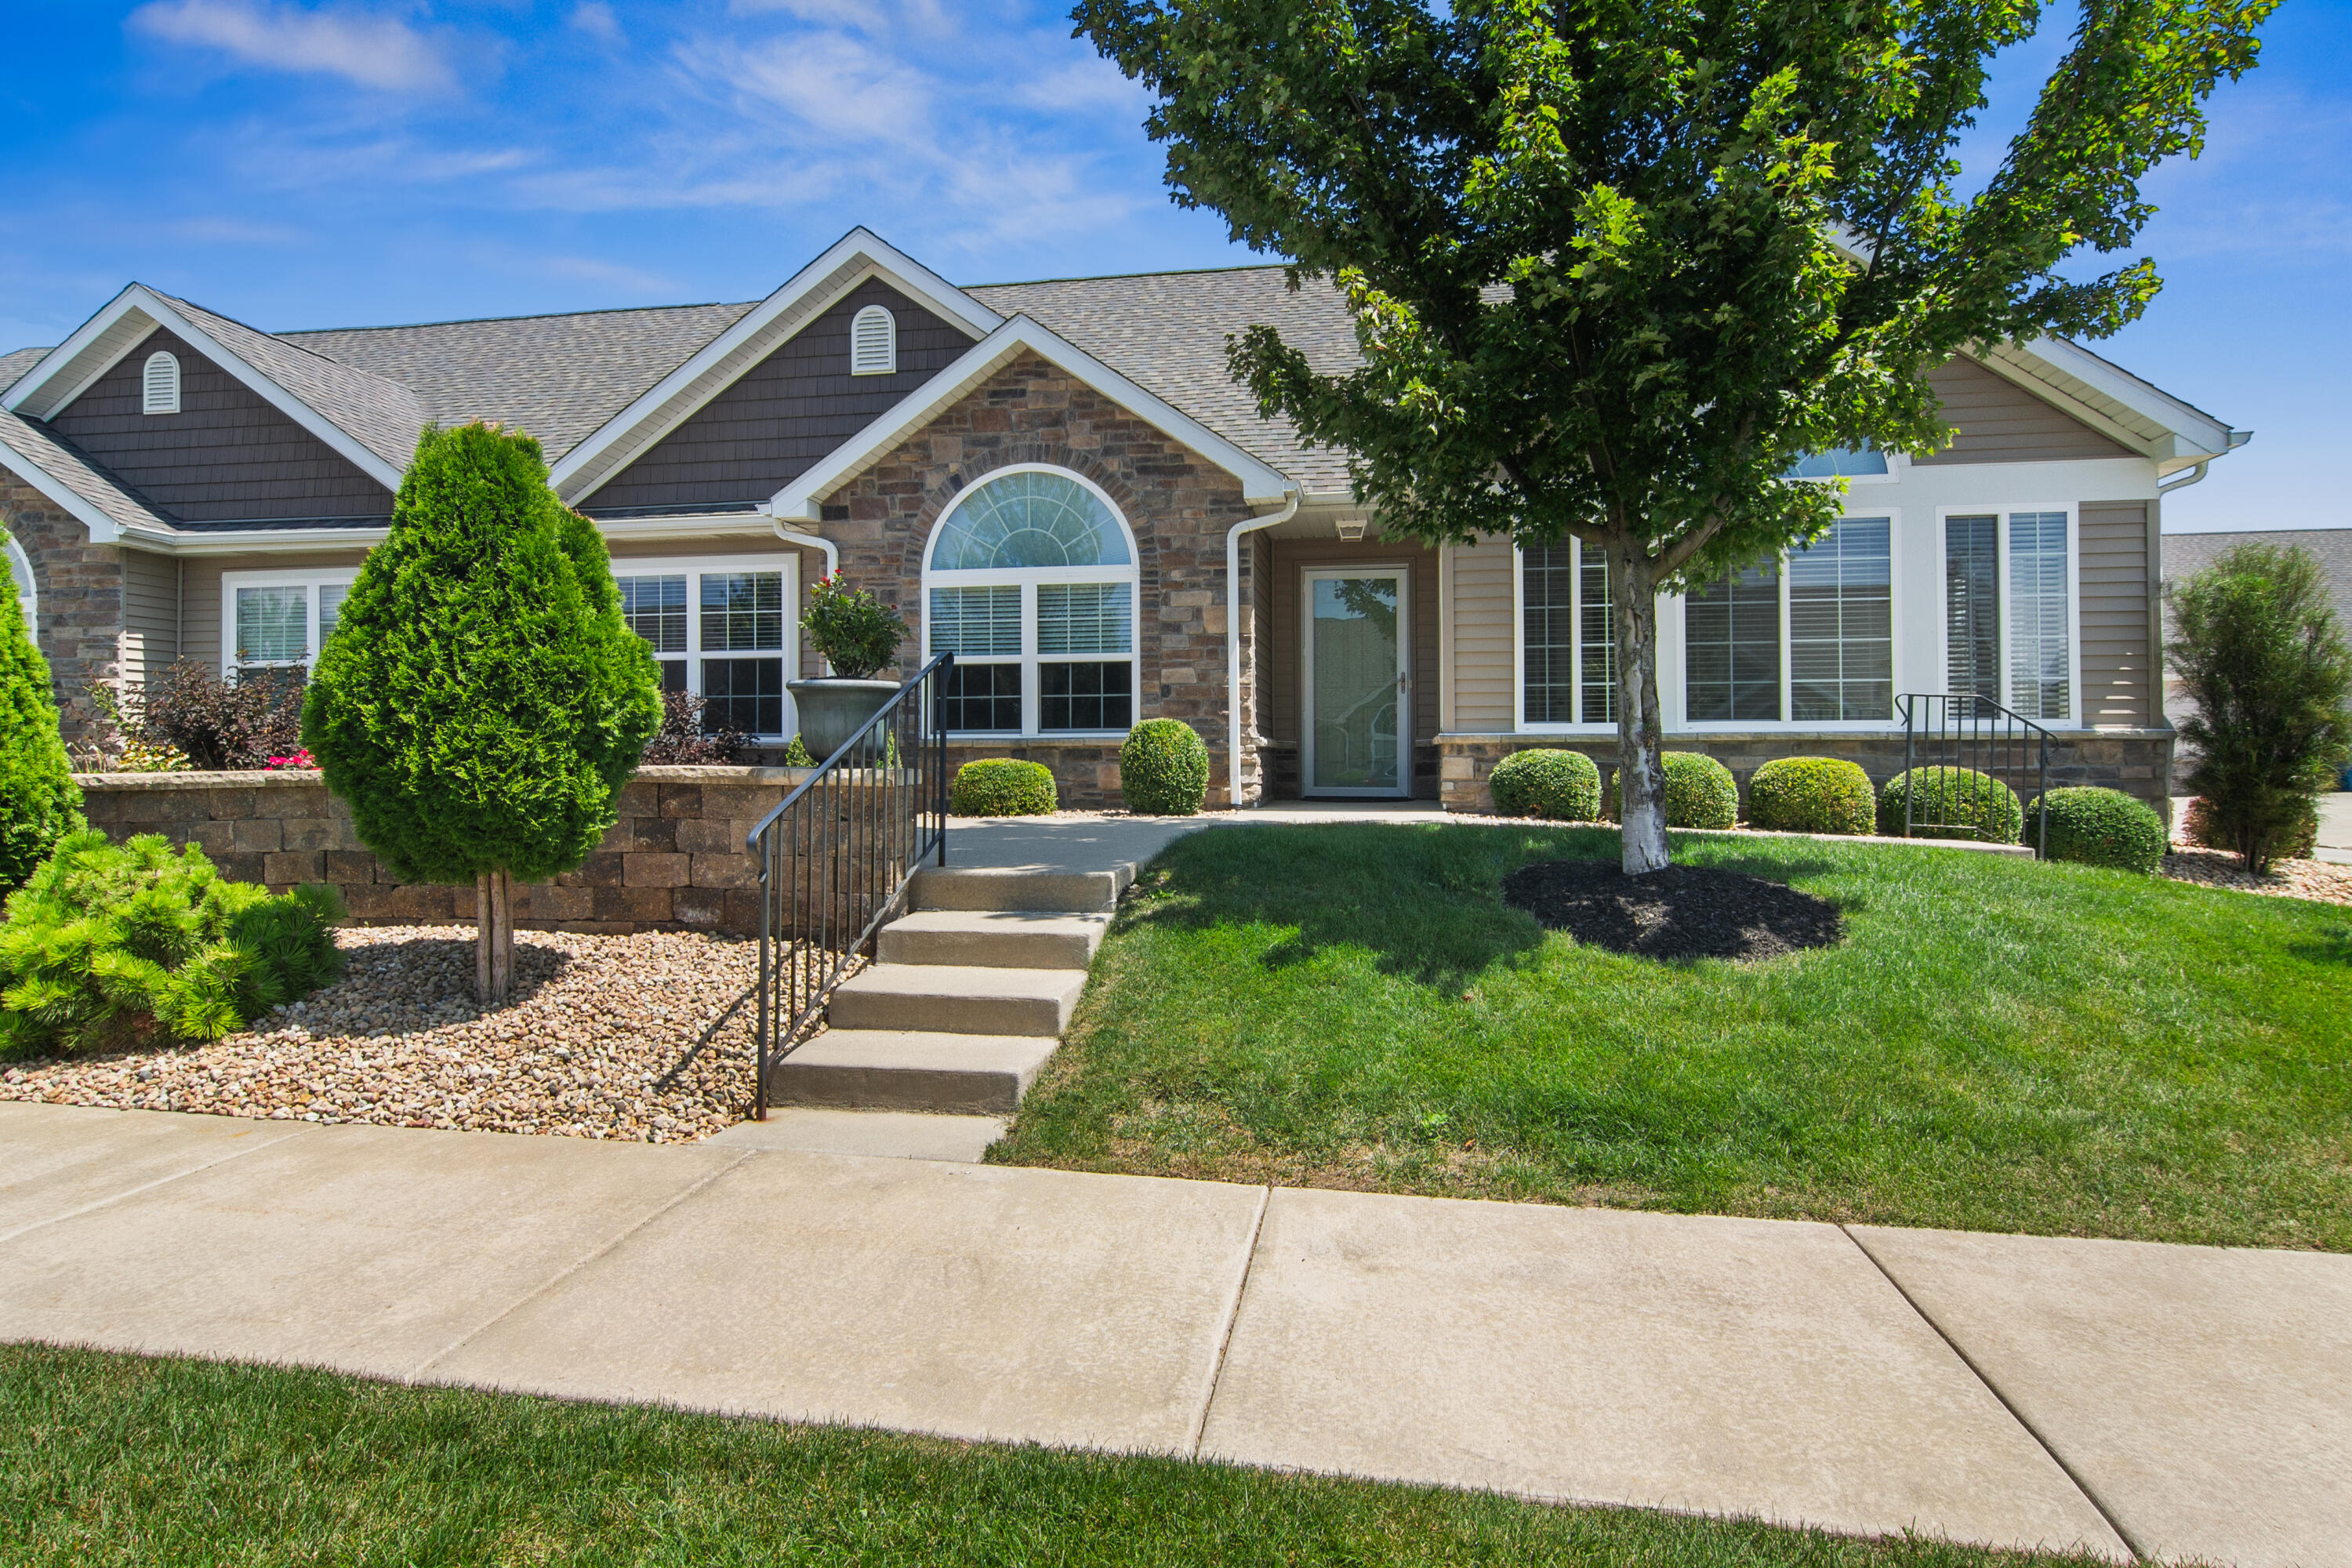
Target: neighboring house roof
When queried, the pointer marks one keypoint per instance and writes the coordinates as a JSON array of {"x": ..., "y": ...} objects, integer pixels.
[
  {"x": 18, "y": 362},
  {"x": 88, "y": 492},
  {"x": 2332, "y": 547}
]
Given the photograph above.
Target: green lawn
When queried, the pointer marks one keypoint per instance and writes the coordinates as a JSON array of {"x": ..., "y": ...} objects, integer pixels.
[
  {"x": 1998, "y": 1045},
  {"x": 116, "y": 1460}
]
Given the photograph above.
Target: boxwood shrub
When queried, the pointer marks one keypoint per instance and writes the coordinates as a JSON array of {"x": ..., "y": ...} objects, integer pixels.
[
  {"x": 1001, "y": 786},
  {"x": 1952, "y": 803},
  {"x": 2100, "y": 827},
  {"x": 107, "y": 945},
  {"x": 1700, "y": 791},
  {"x": 2197, "y": 826},
  {"x": 1164, "y": 769},
  {"x": 1812, "y": 795},
  {"x": 1565, "y": 786}
]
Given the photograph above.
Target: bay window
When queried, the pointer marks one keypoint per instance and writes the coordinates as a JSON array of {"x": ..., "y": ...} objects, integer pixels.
[
  {"x": 1031, "y": 582},
  {"x": 722, "y": 629},
  {"x": 278, "y": 620}
]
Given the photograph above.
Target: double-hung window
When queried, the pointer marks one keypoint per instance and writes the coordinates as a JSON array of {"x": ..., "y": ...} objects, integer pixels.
[
  {"x": 1568, "y": 636},
  {"x": 1031, "y": 582},
  {"x": 1808, "y": 639},
  {"x": 278, "y": 620},
  {"x": 2008, "y": 632},
  {"x": 721, "y": 628}
]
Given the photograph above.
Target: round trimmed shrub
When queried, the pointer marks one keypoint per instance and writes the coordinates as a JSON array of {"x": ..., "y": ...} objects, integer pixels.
[
  {"x": 1952, "y": 803},
  {"x": 1562, "y": 786},
  {"x": 1700, "y": 791},
  {"x": 1001, "y": 787},
  {"x": 2198, "y": 826},
  {"x": 1164, "y": 769},
  {"x": 1812, "y": 795},
  {"x": 2100, "y": 827}
]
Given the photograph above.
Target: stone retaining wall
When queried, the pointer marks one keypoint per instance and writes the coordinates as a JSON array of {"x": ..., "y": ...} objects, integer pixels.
[
  {"x": 673, "y": 861},
  {"x": 2137, "y": 762}
]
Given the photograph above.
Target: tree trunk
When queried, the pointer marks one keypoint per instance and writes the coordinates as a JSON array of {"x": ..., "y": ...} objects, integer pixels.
[
  {"x": 494, "y": 937},
  {"x": 1641, "y": 776}
]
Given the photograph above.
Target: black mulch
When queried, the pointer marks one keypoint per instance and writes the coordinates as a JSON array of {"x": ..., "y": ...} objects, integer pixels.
[{"x": 1683, "y": 911}]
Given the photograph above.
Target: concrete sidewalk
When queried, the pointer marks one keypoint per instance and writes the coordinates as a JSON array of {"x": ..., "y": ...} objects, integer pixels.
[{"x": 2172, "y": 1402}]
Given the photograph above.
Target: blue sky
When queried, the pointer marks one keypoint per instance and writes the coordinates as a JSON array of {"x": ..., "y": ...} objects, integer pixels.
[{"x": 314, "y": 165}]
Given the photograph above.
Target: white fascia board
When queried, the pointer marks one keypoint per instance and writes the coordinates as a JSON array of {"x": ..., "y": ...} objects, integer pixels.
[
  {"x": 857, "y": 256},
  {"x": 686, "y": 526},
  {"x": 137, "y": 302},
  {"x": 104, "y": 529},
  {"x": 801, "y": 500},
  {"x": 277, "y": 541},
  {"x": 2172, "y": 431}
]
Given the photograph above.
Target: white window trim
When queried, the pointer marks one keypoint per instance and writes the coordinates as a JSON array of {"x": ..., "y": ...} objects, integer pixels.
[
  {"x": 1403, "y": 572},
  {"x": 692, "y": 568},
  {"x": 1520, "y": 724},
  {"x": 28, "y": 594},
  {"x": 2001, "y": 512},
  {"x": 148, "y": 402},
  {"x": 889, "y": 366},
  {"x": 1028, "y": 578},
  {"x": 311, "y": 580}
]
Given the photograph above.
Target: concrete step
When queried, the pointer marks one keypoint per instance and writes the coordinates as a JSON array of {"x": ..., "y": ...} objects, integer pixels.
[
  {"x": 885, "y": 1134},
  {"x": 1051, "y": 892},
  {"x": 995, "y": 939},
  {"x": 958, "y": 999},
  {"x": 894, "y": 1070}
]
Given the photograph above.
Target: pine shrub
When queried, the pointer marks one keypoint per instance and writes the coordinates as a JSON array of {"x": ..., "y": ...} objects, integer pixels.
[
  {"x": 2099, "y": 826},
  {"x": 1164, "y": 769},
  {"x": 111, "y": 945},
  {"x": 1001, "y": 786},
  {"x": 39, "y": 801},
  {"x": 1699, "y": 792},
  {"x": 1952, "y": 803},
  {"x": 1812, "y": 795},
  {"x": 1563, "y": 786}
]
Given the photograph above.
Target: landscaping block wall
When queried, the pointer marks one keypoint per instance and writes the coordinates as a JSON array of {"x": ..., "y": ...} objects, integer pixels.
[{"x": 673, "y": 861}]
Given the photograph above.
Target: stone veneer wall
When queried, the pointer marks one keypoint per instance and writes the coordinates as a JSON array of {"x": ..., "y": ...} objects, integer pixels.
[
  {"x": 1179, "y": 503},
  {"x": 81, "y": 589},
  {"x": 2137, "y": 762},
  {"x": 673, "y": 861}
]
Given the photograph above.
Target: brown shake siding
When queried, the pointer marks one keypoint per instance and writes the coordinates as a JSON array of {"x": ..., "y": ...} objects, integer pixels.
[
  {"x": 785, "y": 413},
  {"x": 1997, "y": 421},
  {"x": 2119, "y": 662},
  {"x": 226, "y": 457}
]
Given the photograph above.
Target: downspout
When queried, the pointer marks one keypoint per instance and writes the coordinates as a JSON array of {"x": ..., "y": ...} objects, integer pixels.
[
  {"x": 832, "y": 551},
  {"x": 1234, "y": 635},
  {"x": 2195, "y": 474}
]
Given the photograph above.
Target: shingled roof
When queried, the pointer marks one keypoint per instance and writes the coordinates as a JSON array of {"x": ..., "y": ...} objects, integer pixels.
[
  {"x": 63, "y": 464},
  {"x": 381, "y": 413}
]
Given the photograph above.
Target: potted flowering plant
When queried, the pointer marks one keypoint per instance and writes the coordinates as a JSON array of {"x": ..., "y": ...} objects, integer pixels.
[{"x": 857, "y": 636}]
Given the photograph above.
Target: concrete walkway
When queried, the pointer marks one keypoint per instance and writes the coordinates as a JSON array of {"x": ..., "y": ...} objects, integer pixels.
[{"x": 2172, "y": 1401}]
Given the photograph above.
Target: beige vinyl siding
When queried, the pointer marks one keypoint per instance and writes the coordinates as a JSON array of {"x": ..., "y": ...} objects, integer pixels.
[
  {"x": 151, "y": 613},
  {"x": 1260, "y": 630},
  {"x": 1997, "y": 421},
  {"x": 200, "y": 593},
  {"x": 1484, "y": 653},
  {"x": 2118, "y": 662},
  {"x": 1288, "y": 586}
]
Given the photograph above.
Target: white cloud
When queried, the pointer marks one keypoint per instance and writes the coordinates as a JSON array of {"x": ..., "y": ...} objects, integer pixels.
[
  {"x": 597, "y": 21},
  {"x": 372, "y": 51},
  {"x": 1086, "y": 86}
]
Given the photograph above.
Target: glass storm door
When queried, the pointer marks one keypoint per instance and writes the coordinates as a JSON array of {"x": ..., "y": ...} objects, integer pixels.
[{"x": 1357, "y": 736}]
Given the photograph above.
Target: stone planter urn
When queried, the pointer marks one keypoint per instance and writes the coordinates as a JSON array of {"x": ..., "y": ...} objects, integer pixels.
[{"x": 832, "y": 711}]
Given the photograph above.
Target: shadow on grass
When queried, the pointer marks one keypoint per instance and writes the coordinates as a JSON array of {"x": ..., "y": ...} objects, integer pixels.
[{"x": 1426, "y": 901}]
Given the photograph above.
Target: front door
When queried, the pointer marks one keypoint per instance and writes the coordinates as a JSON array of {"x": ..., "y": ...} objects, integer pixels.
[{"x": 1357, "y": 736}]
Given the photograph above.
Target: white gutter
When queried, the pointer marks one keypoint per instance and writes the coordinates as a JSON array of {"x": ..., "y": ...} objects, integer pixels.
[
  {"x": 1234, "y": 635},
  {"x": 2195, "y": 474}
]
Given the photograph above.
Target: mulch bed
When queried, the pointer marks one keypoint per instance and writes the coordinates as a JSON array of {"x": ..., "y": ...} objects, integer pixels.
[{"x": 1683, "y": 911}]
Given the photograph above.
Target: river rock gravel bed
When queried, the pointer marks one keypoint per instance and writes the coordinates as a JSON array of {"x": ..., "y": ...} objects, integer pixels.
[
  {"x": 595, "y": 1023},
  {"x": 2315, "y": 879}
]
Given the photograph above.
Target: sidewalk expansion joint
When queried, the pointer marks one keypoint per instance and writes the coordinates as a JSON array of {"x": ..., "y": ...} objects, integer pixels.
[
  {"x": 2082, "y": 1483},
  {"x": 1233, "y": 1316},
  {"x": 560, "y": 1275},
  {"x": 129, "y": 1193}
]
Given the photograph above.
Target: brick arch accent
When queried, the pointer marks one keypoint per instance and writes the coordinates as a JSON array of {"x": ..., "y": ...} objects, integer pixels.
[{"x": 81, "y": 587}]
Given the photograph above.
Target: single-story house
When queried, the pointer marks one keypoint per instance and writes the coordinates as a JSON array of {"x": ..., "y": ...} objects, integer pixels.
[{"x": 1059, "y": 481}]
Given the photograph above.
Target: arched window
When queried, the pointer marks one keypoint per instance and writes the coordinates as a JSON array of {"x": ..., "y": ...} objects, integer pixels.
[
  {"x": 20, "y": 567},
  {"x": 1030, "y": 582},
  {"x": 160, "y": 386},
  {"x": 873, "y": 341}
]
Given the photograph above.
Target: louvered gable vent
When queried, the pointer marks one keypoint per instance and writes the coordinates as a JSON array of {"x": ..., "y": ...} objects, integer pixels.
[
  {"x": 873, "y": 343},
  {"x": 161, "y": 387}
]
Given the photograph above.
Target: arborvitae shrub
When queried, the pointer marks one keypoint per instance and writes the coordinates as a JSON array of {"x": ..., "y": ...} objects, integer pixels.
[
  {"x": 1699, "y": 792},
  {"x": 108, "y": 944},
  {"x": 39, "y": 801},
  {"x": 1562, "y": 785},
  {"x": 2100, "y": 827},
  {"x": 1952, "y": 803},
  {"x": 1001, "y": 786},
  {"x": 1812, "y": 795},
  {"x": 2294, "y": 840},
  {"x": 1164, "y": 769}
]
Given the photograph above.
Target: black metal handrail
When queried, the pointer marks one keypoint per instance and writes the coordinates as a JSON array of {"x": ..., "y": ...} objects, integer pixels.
[
  {"x": 835, "y": 855},
  {"x": 1965, "y": 731}
]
